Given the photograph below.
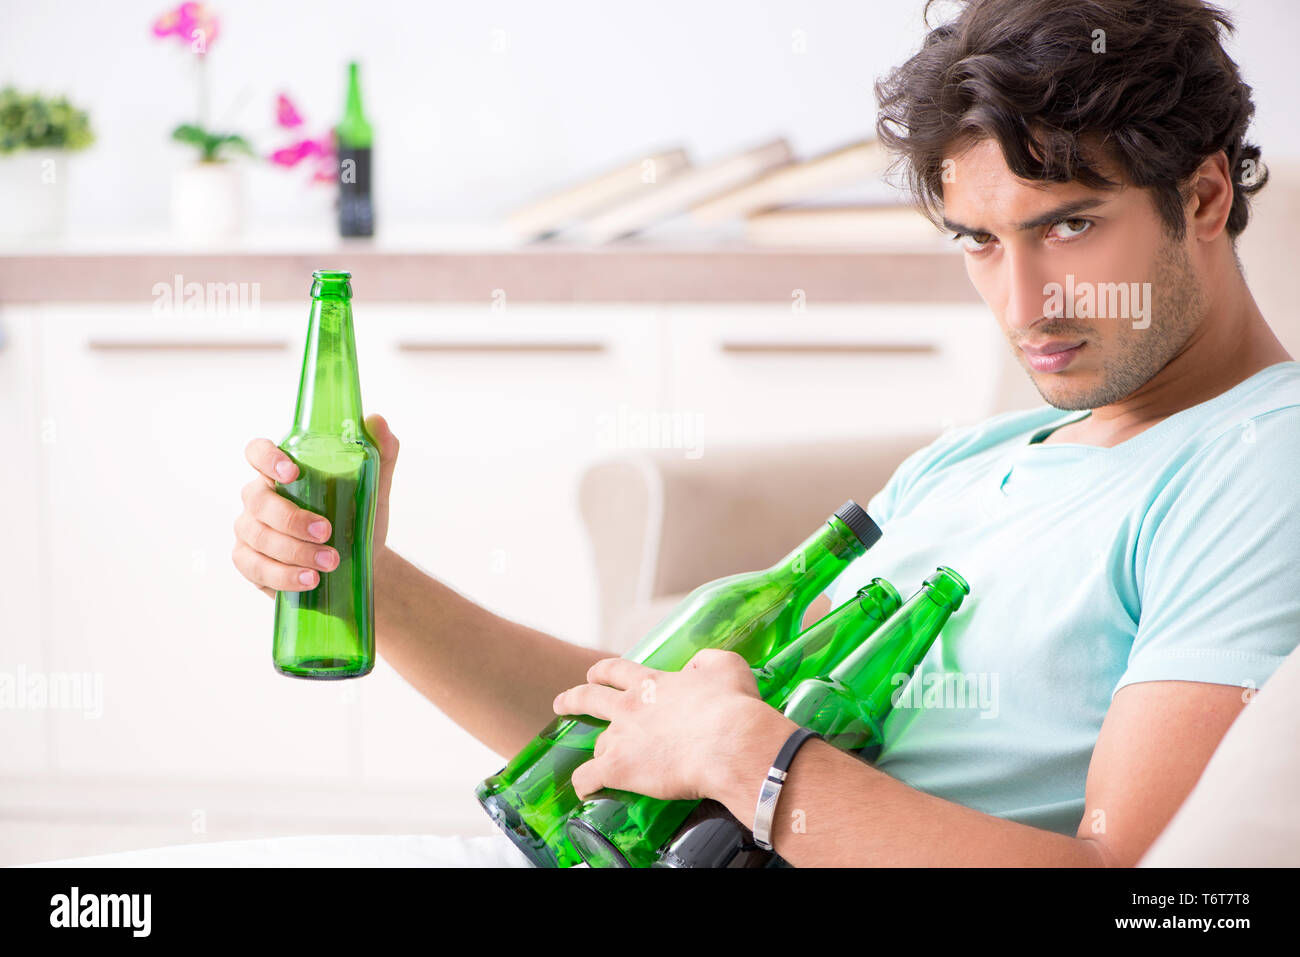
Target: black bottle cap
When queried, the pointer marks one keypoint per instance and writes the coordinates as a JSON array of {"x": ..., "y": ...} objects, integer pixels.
[{"x": 855, "y": 517}]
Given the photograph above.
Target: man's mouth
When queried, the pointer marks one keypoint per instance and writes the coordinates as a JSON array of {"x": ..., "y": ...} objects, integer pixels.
[{"x": 1052, "y": 356}]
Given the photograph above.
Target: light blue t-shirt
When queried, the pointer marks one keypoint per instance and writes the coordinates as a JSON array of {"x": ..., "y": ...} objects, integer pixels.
[{"x": 1173, "y": 555}]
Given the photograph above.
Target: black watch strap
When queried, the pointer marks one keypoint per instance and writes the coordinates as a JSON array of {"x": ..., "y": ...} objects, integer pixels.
[{"x": 770, "y": 792}]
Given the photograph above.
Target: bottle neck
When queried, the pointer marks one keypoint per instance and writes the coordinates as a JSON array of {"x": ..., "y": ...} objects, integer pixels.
[
  {"x": 818, "y": 561},
  {"x": 873, "y": 671},
  {"x": 354, "y": 131},
  {"x": 329, "y": 392},
  {"x": 824, "y": 644}
]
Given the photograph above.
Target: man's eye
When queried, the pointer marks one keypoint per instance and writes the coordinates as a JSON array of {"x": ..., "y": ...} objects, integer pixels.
[
  {"x": 973, "y": 242},
  {"x": 1069, "y": 228}
]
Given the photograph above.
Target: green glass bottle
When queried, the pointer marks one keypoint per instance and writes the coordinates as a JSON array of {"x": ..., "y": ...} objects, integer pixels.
[
  {"x": 751, "y": 614},
  {"x": 355, "y": 138},
  {"x": 329, "y": 631},
  {"x": 622, "y": 829},
  {"x": 847, "y": 707}
]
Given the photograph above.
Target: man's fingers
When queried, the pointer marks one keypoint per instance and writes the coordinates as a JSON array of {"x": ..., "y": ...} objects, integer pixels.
[
  {"x": 286, "y": 549},
  {"x": 716, "y": 658},
  {"x": 270, "y": 508},
  {"x": 594, "y": 700},
  {"x": 619, "y": 673},
  {"x": 265, "y": 456},
  {"x": 268, "y": 573},
  {"x": 589, "y": 777}
]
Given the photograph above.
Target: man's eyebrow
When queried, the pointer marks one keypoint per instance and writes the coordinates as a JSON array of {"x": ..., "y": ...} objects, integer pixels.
[{"x": 1064, "y": 211}]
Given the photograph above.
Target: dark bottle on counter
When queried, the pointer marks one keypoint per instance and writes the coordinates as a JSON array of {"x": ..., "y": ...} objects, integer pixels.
[{"x": 356, "y": 207}]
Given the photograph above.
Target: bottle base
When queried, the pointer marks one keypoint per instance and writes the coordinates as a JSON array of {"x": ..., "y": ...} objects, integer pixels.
[
  {"x": 521, "y": 835},
  {"x": 596, "y": 849},
  {"x": 326, "y": 669}
]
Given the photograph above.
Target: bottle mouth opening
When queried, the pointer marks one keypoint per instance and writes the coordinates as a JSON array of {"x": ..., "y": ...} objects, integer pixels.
[
  {"x": 887, "y": 589},
  {"x": 331, "y": 284},
  {"x": 961, "y": 582}
]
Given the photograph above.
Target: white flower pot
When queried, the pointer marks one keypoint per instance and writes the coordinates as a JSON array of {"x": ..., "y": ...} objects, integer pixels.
[
  {"x": 207, "y": 202},
  {"x": 33, "y": 193}
]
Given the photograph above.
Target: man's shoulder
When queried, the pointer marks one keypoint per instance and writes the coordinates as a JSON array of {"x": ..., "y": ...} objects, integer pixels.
[
  {"x": 1259, "y": 419},
  {"x": 1274, "y": 389},
  {"x": 1240, "y": 451},
  {"x": 1265, "y": 405}
]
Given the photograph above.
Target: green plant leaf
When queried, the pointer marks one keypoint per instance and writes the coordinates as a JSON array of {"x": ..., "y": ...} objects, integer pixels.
[
  {"x": 235, "y": 141},
  {"x": 33, "y": 121},
  {"x": 211, "y": 145},
  {"x": 189, "y": 133}
]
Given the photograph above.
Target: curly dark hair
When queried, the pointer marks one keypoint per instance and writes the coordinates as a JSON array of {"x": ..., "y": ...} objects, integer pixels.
[{"x": 1031, "y": 74}]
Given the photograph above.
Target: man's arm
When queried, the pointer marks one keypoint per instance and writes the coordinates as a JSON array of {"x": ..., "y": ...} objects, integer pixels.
[
  {"x": 1154, "y": 743},
  {"x": 706, "y": 733},
  {"x": 494, "y": 677}
]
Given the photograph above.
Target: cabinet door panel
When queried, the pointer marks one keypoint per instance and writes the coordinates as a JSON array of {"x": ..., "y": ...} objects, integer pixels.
[
  {"x": 24, "y": 673},
  {"x": 498, "y": 414},
  {"x": 758, "y": 373},
  {"x": 496, "y": 431},
  {"x": 150, "y": 418}
]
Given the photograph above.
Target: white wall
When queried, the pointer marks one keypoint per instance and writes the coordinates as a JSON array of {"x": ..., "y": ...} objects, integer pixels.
[{"x": 465, "y": 133}]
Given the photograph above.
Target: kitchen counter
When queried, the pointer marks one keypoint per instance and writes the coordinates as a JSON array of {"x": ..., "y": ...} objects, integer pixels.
[{"x": 471, "y": 265}]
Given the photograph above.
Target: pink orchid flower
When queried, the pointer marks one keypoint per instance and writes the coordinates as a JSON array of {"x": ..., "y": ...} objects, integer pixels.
[
  {"x": 320, "y": 151},
  {"x": 295, "y": 153},
  {"x": 286, "y": 114},
  {"x": 327, "y": 167},
  {"x": 166, "y": 25},
  {"x": 192, "y": 23}
]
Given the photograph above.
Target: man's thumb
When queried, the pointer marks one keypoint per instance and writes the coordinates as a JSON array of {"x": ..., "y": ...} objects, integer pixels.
[{"x": 384, "y": 437}]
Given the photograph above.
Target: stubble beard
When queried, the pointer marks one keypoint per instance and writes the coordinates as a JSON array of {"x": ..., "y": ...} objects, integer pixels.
[{"x": 1134, "y": 356}]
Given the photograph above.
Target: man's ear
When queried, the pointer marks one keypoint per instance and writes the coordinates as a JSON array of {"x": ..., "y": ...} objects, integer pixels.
[{"x": 1209, "y": 199}]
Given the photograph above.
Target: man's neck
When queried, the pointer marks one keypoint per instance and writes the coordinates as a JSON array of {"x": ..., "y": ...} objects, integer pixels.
[{"x": 1231, "y": 345}]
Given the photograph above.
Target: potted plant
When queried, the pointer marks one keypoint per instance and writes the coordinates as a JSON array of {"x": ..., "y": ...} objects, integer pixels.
[
  {"x": 37, "y": 134},
  {"x": 207, "y": 195}
]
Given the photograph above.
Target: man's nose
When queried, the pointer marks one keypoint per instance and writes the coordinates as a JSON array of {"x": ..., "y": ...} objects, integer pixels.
[{"x": 1026, "y": 302}]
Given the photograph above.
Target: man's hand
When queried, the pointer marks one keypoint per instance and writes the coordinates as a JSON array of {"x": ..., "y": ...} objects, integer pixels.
[
  {"x": 672, "y": 734},
  {"x": 280, "y": 547}
]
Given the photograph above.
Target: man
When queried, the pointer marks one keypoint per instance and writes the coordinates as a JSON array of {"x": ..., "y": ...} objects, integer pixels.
[{"x": 1133, "y": 546}]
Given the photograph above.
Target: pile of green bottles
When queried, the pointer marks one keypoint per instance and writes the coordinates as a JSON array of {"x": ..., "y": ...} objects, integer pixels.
[{"x": 838, "y": 677}]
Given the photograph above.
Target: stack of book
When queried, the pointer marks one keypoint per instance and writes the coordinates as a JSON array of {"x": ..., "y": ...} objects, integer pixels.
[{"x": 774, "y": 198}]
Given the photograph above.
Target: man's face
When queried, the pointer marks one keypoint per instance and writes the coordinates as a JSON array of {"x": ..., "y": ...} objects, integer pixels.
[{"x": 1061, "y": 264}]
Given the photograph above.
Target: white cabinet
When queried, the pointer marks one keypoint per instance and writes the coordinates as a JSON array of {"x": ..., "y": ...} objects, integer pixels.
[
  {"x": 146, "y": 420},
  {"x": 24, "y": 722},
  {"x": 129, "y": 430},
  {"x": 150, "y": 416},
  {"x": 764, "y": 373},
  {"x": 498, "y": 413}
]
